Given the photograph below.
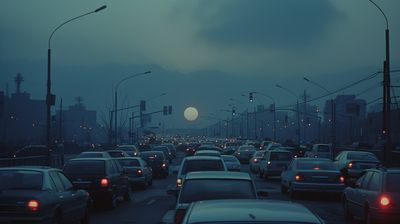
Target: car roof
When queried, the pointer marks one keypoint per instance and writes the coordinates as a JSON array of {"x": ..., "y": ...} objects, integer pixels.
[
  {"x": 248, "y": 210},
  {"x": 95, "y": 151},
  {"x": 278, "y": 150},
  {"x": 217, "y": 175},
  {"x": 202, "y": 158},
  {"x": 208, "y": 151},
  {"x": 312, "y": 159},
  {"x": 92, "y": 159},
  {"x": 31, "y": 168},
  {"x": 127, "y": 158}
]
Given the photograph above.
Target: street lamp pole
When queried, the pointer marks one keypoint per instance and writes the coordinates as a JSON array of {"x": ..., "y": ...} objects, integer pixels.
[
  {"x": 50, "y": 98},
  {"x": 386, "y": 119},
  {"x": 333, "y": 112},
  {"x": 116, "y": 102},
  {"x": 298, "y": 109}
]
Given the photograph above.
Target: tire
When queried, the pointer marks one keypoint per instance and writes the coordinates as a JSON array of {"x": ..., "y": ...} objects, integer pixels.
[
  {"x": 86, "y": 217},
  {"x": 347, "y": 214},
  {"x": 284, "y": 189}
]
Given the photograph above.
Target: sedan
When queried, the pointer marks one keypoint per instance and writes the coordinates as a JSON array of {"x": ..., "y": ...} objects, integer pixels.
[
  {"x": 255, "y": 161},
  {"x": 231, "y": 162},
  {"x": 244, "y": 153},
  {"x": 249, "y": 211},
  {"x": 374, "y": 197},
  {"x": 311, "y": 175},
  {"x": 40, "y": 195},
  {"x": 207, "y": 153},
  {"x": 138, "y": 171},
  {"x": 353, "y": 163}
]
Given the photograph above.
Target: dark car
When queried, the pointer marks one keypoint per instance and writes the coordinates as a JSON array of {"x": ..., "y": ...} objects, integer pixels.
[
  {"x": 40, "y": 195},
  {"x": 118, "y": 153},
  {"x": 138, "y": 171},
  {"x": 157, "y": 161},
  {"x": 165, "y": 150},
  {"x": 93, "y": 154},
  {"x": 353, "y": 163},
  {"x": 103, "y": 178},
  {"x": 374, "y": 197},
  {"x": 171, "y": 148}
]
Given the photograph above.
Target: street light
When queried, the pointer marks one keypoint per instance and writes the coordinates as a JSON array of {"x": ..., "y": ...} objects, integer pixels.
[
  {"x": 116, "y": 100},
  {"x": 333, "y": 111},
  {"x": 386, "y": 121},
  {"x": 50, "y": 98},
  {"x": 298, "y": 109}
]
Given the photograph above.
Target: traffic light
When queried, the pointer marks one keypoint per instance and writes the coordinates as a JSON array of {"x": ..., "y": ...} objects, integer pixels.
[
  {"x": 165, "y": 110},
  {"x": 233, "y": 112},
  {"x": 142, "y": 105},
  {"x": 169, "y": 109},
  {"x": 251, "y": 97}
]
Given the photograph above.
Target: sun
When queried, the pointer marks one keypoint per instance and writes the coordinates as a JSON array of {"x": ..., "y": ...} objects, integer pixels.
[{"x": 191, "y": 114}]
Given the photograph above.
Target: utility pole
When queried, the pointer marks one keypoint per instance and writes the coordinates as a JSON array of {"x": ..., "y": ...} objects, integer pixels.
[{"x": 60, "y": 123}]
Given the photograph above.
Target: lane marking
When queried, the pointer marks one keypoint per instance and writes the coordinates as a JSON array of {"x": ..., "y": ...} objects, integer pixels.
[{"x": 151, "y": 202}]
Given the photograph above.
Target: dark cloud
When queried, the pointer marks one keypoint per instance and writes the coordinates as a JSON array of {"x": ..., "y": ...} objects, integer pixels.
[{"x": 274, "y": 23}]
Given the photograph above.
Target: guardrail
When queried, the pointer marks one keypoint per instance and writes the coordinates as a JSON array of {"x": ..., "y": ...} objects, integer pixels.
[{"x": 54, "y": 160}]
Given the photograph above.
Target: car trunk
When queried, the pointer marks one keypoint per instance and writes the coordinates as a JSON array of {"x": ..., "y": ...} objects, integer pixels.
[
  {"x": 15, "y": 201},
  {"x": 86, "y": 181},
  {"x": 319, "y": 176}
]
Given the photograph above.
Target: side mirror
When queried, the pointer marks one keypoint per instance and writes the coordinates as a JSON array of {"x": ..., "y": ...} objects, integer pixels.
[
  {"x": 262, "y": 194},
  {"x": 173, "y": 192}
]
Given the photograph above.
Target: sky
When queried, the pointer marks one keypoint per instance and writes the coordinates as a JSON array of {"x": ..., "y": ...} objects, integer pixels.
[{"x": 201, "y": 52}]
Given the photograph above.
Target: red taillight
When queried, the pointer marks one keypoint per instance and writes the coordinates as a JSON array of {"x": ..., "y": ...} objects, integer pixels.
[
  {"x": 139, "y": 172},
  {"x": 179, "y": 215},
  {"x": 350, "y": 165},
  {"x": 297, "y": 177},
  {"x": 316, "y": 168},
  {"x": 104, "y": 182},
  {"x": 384, "y": 201},
  {"x": 33, "y": 205},
  {"x": 341, "y": 179}
]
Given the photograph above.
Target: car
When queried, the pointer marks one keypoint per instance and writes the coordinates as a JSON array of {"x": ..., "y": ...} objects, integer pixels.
[
  {"x": 139, "y": 172},
  {"x": 166, "y": 151},
  {"x": 33, "y": 150},
  {"x": 312, "y": 175},
  {"x": 36, "y": 194},
  {"x": 144, "y": 147},
  {"x": 320, "y": 151},
  {"x": 255, "y": 160},
  {"x": 244, "y": 153},
  {"x": 199, "y": 163},
  {"x": 103, "y": 178},
  {"x": 208, "y": 147},
  {"x": 93, "y": 154},
  {"x": 274, "y": 162},
  {"x": 231, "y": 162},
  {"x": 249, "y": 211},
  {"x": 157, "y": 161},
  {"x": 353, "y": 163},
  {"x": 213, "y": 185},
  {"x": 374, "y": 197},
  {"x": 117, "y": 153},
  {"x": 207, "y": 153},
  {"x": 172, "y": 149},
  {"x": 264, "y": 144},
  {"x": 132, "y": 150}
]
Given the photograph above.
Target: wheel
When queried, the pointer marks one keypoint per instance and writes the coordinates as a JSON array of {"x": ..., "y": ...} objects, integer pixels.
[
  {"x": 86, "y": 217},
  {"x": 284, "y": 189},
  {"x": 347, "y": 215}
]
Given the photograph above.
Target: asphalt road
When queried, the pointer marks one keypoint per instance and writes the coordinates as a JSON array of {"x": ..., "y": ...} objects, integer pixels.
[{"x": 150, "y": 205}]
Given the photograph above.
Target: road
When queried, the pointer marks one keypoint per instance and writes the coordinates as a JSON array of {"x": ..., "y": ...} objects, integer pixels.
[{"x": 150, "y": 205}]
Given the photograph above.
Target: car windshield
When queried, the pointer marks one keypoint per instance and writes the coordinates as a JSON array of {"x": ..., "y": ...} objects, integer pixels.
[
  {"x": 85, "y": 167},
  {"x": 281, "y": 156},
  {"x": 90, "y": 155},
  {"x": 323, "y": 148},
  {"x": 366, "y": 156},
  {"x": 152, "y": 156},
  {"x": 129, "y": 162},
  {"x": 202, "y": 165},
  {"x": 393, "y": 182},
  {"x": 211, "y": 189},
  {"x": 21, "y": 179},
  {"x": 315, "y": 165}
]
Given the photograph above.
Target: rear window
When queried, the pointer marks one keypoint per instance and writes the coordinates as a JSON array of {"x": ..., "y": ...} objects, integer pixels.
[
  {"x": 129, "y": 162},
  {"x": 90, "y": 155},
  {"x": 324, "y": 148},
  {"x": 315, "y": 165},
  {"x": 281, "y": 156},
  {"x": 85, "y": 167},
  {"x": 202, "y": 165},
  {"x": 149, "y": 156},
  {"x": 362, "y": 156},
  {"x": 20, "y": 179},
  {"x": 200, "y": 190},
  {"x": 393, "y": 182}
]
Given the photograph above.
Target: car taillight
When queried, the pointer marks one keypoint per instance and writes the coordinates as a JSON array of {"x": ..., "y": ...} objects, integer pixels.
[
  {"x": 350, "y": 165},
  {"x": 104, "y": 182},
  {"x": 164, "y": 165},
  {"x": 139, "y": 172},
  {"x": 179, "y": 215},
  {"x": 341, "y": 179},
  {"x": 255, "y": 160},
  {"x": 33, "y": 205},
  {"x": 179, "y": 182},
  {"x": 384, "y": 201},
  {"x": 297, "y": 177}
]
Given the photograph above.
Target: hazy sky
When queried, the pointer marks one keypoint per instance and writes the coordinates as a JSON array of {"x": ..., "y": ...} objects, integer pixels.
[{"x": 201, "y": 52}]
